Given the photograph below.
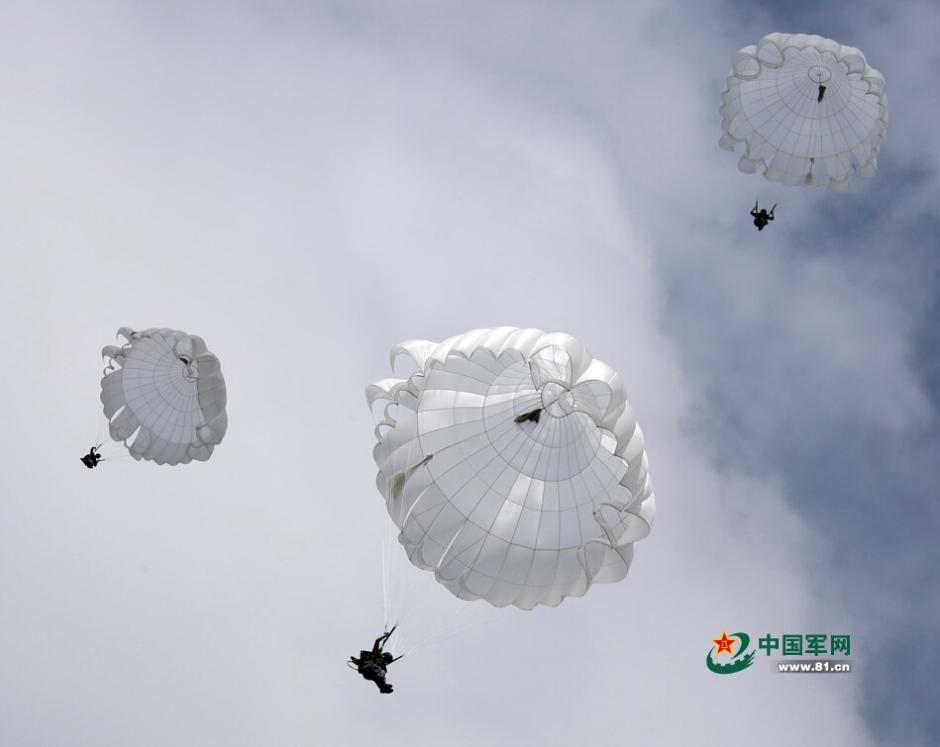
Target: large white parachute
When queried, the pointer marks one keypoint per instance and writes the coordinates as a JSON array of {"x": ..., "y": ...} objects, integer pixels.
[
  {"x": 809, "y": 110},
  {"x": 512, "y": 465},
  {"x": 168, "y": 390}
]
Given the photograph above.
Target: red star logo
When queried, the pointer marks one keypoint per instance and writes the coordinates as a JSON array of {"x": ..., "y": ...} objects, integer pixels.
[{"x": 724, "y": 643}]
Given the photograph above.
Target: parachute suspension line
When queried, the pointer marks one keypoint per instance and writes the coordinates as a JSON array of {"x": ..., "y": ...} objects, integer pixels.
[
  {"x": 100, "y": 419},
  {"x": 406, "y": 590},
  {"x": 412, "y": 606},
  {"x": 390, "y": 553},
  {"x": 103, "y": 432},
  {"x": 103, "y": 438},
  {"x": 384, "y": 561},
  {"x": 408, "y": 600},
  {"x": 415, "y": 599},
  {"x": 448, "y": 633},
  {"x": 388, "y": 529}
]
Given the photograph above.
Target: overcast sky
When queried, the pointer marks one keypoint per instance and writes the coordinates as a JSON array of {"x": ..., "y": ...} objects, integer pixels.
[{"x": 305, "y": 185}]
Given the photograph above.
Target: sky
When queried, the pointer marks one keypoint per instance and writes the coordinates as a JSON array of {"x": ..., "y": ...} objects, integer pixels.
[{"x": 305, "y": 185}]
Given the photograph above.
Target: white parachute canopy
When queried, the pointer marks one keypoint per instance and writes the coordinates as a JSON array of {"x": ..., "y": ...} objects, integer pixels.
[
  {"x": 809, "y": 111},
  {"x": 167, "y": 388},
  {"x": 512, "y": 466}
]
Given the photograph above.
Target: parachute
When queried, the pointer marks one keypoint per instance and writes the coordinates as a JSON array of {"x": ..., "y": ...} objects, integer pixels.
[
  {"x": 809, "y": 111},
  {"x": 512, "y": 466},
  {"x": 164, "y": 387}
]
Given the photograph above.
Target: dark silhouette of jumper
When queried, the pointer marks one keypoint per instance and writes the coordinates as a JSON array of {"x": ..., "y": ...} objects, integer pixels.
[
  {"x": 373, "y": 665},
  {"x": 92, "y": 458},
  {"x": 762, "y": 217}
]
